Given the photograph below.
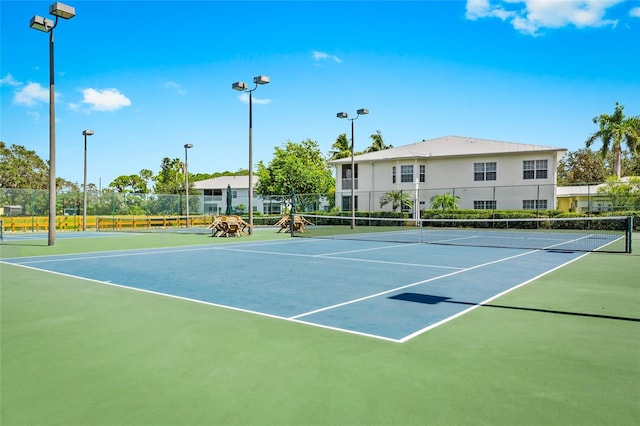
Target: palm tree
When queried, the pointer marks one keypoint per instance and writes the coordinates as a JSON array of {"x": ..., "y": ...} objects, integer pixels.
[
  {"x": 613, "y": 130},
  {"x": 445, "y": 201},
  {"x": 146, "y": 175},
  {"x": 340, "y": 148},
  {"x": 378, "y": 143},
  {"x": 397, "y": 199}
]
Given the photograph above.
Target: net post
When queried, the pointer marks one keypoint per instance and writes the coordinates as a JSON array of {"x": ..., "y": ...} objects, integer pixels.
[{"x": 629, "y": 233}]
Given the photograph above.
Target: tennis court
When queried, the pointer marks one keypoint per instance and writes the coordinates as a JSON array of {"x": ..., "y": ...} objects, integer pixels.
[
  {"x": 378, "y": 289},
  {"x": 188, "y": 329}
]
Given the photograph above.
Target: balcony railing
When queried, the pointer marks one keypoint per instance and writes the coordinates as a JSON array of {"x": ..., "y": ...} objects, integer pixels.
[{"x": 346, "y": 183}]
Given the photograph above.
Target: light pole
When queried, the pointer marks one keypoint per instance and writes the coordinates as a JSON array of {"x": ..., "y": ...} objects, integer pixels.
[
  {"x": 186, "y": 181},
  {"x": 361, "y": 111},
  {"x": 242, "y": 87},
  {"x": 84, "y": 196},
  {"x": 59, "y": 10}
]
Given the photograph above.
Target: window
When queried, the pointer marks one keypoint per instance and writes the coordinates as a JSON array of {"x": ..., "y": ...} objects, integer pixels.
[
  {"x": 271, "y": 208},
  {"x": 393, "y": 174},
  {"x": 406, "y": 173},
  {"x": 207, "y": 192},
  {"x": 423, "y": 173},
  {"x": 346, "y": 171},
  {"x": 346, "y": 203},
  {"x": 217, "y": 192},
  {"x": 534, "y": 169},
  {"x": 346, "y": 176},
  {"x": 534, "y": 204},
  {"x": 484, "y": 171},
  {"x": 484, "y": 204}
]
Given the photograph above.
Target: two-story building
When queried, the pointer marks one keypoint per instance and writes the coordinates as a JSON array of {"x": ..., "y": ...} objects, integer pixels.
[
  {"x": 482, "y": 174},
  {"x": 214, "y": 196}
]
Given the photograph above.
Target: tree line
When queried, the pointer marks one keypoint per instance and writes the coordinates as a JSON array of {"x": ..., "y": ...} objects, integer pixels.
[{"x": 301, "y": 167}]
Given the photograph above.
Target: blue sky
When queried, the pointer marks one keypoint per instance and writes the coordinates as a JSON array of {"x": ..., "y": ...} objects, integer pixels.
[{"x": 151, "y": 76}]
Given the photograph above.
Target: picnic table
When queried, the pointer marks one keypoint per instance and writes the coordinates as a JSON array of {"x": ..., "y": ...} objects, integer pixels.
[
  {"x": 229, "y": 226},
  {"x": 299, "y": 224}
]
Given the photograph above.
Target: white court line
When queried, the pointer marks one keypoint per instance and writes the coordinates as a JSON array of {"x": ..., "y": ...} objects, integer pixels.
[
  {"x": 126, "y": 252},
  {"x": 329, "y": 256},
  {"x": 471, "y": 237},
  {"x": 388, "y": 262},
  {"x": 367, "y": 249},
  {"x": 326, "y": 308},
  {"x": 568, "y": 242}
]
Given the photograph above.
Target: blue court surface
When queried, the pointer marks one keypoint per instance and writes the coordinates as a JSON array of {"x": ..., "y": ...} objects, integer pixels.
[{"x": 390, "y": 291}]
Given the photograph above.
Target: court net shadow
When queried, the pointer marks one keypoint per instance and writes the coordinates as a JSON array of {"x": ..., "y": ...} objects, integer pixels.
[{"x": 430, "y": 299}]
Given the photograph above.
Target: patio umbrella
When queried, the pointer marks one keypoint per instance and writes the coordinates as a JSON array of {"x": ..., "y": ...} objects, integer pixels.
[{"x": 229, "y": 209}]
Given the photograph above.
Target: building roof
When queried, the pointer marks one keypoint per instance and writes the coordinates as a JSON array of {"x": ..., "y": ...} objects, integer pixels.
[
  {"x": 450, "y": 146},
  {"x": 586, "y": 189},
  {"x": 236, "y": 182},
  {"x": 577, "y": 190}
]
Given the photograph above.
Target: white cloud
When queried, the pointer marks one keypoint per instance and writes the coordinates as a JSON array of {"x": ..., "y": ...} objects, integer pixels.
[
  {"x": 8, "y": 80},
  {"x": 530, "y": 16},
  {"x": 635, "y": 12},
  {"x": 175, "y": 86},
  {"x": 31, "y": 94},
  {"x": 245, "y": 98},
  {"x": 322, "y": 56},
  {"x": 478, "y": 9},
  {"x": 105, "y": 100}
]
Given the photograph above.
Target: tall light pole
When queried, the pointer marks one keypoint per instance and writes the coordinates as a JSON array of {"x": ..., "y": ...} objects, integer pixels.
[
  {"x": 84, "y": 196},
  {"x": 186, "y": 181},
  {"x": 242, "y": 87},
  {"x": 361, "y": 111},
  {"x": 39, "y": 23}
]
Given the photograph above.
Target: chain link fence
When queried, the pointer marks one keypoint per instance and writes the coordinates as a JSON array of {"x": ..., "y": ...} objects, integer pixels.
[{"x": 585, "y": 199}]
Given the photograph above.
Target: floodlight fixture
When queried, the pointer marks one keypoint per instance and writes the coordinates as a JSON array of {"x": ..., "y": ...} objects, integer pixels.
[
  {"x": 188, "y": 145},
  {"x": 238, "y": 85},
  {"x": 261, "y": 79},
  {"x": 363, "y": 111},
  {"x": 87, "y": 132},
  {"x": 342, "y": 115},
  {"x": 62, "y": 10},
  {"x": 41, "y": 24}
]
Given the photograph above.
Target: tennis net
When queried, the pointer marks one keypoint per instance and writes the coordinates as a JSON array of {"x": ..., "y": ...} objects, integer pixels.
[{"x": 607, "y": 234}]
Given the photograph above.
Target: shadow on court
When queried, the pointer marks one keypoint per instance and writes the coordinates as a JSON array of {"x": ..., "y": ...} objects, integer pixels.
[{"x": 429, "y": 299}]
